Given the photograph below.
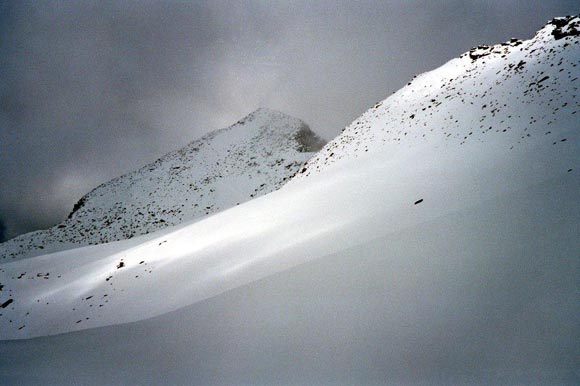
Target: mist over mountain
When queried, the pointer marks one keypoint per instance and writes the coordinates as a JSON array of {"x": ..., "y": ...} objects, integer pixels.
[
  {"x": 434, "y": 241},
  {"x": 226, "y": 167},
  {"x": 82, "y": 82}
]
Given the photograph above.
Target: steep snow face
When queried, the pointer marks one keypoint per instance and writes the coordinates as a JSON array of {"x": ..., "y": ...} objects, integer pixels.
[
  {"x": 224, "y": 168},
  {"x": 435, "y": 257},
  {"x": 501, "y": 96}
]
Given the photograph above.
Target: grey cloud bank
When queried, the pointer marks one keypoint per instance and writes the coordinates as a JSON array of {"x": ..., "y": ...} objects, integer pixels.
[{"x": 91, "y": 90}]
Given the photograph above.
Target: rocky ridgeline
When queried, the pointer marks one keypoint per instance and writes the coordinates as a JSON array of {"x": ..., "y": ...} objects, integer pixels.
[
  {"x": 255, "y": 156},
  {"x": 504, "y": 95}
]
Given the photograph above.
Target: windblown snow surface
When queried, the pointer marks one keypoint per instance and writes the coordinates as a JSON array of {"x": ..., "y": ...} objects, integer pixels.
[
  {"x": 436, "y": 241},
  {"x": 226, "y": 167}
]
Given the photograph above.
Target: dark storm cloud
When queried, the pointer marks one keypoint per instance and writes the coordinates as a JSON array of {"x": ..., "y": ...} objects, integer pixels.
[{"x": 91, "y": 90}]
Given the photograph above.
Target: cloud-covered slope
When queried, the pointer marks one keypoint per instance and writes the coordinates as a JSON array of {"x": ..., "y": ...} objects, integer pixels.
[{"x": 224, "y": 168}]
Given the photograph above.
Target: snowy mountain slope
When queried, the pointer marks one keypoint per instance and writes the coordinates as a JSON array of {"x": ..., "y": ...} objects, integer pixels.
[
  {"x": 502, "y": 96},
  {"x": 154, "y": 274},
  {"x": 424, "y": 260},
  {"x": 445, "y": 302},
  {"x": 224, "y": 168}
]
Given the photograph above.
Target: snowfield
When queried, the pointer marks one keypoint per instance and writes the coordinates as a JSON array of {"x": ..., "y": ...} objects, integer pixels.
[{"x": 435, "y": 241}]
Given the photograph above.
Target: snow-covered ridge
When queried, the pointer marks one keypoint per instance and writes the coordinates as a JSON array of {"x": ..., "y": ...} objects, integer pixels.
[
  {"x": 501, "y": 95},
  {"x": 494, "y": 137},
  {"x": 434, "y": 242},
  {"x": 224, "y": 168}
]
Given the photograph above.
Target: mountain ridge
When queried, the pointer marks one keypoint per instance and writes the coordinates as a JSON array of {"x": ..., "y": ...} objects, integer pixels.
[
  {"x": 409, "y": 251},
  {"x": 254, "y": 156},
  {"x": 507, "y": 62}
]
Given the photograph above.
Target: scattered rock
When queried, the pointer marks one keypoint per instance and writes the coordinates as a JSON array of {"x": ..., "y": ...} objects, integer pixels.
[
  {"x": 564, "y": 26},
  {"x": 6, "y": 303}
]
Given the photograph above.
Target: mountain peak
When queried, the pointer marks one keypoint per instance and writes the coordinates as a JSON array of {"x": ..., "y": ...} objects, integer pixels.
[
  {"x": 268, "y": 112},
  {"x": 275, "y": 123},
  {"x": 226, "y": 167},
  {"x": 265, "y": 113},
  {"x": 268, "y": 116}
]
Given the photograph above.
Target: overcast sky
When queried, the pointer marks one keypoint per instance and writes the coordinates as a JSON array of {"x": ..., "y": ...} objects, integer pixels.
[{"x": 90, "y": 90}]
